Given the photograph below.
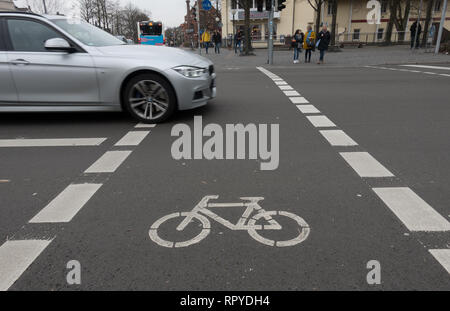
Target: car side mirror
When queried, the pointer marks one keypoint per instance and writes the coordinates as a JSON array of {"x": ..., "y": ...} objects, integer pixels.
[{"x": 59, "y": 44}]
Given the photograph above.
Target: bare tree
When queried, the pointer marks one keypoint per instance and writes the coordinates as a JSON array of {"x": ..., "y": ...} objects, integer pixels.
[
  {"x": 399, "y": 14},
  {"x": 53, "y": 6},
  {"x": 428, "y": 17},
  {"x": 317, "y": 7},
  {"x": 334, "y": 9},
  {"x": 246, "y": 5}
]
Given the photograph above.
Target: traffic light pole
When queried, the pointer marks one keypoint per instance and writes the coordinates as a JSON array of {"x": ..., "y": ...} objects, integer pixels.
[
  {"x": 441, "y": 27},
  {"x": 198, "y": 28},
  {"x": 270, "y": 43}
]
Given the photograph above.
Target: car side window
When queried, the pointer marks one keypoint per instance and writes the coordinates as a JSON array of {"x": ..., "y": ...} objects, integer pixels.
[
  {"x": 29, "y": 36},
  {"x": 2, "y": 35}
]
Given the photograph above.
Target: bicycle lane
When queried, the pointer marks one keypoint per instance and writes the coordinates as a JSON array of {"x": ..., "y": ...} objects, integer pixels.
[{"x": 349, "y": 227}]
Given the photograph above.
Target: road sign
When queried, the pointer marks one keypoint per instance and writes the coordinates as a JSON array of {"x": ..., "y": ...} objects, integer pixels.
[{"x": 206, "y": 4}]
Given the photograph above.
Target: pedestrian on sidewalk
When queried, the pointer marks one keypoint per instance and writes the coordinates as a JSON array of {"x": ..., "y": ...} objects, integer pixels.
[
  {"x": 297, "y": 42},
  {"x": 217, "y": 39},
  {"x": 309, "y": 43},
  {"x": 206, "y": 39},
  {"x": 324, "y": 38},
  {"x": 238, "y": 42},
  {"x": 413, "y": 30}
]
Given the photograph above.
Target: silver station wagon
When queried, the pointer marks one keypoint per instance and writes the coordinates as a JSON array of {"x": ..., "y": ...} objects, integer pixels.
[{"x": 52, "y": 63}]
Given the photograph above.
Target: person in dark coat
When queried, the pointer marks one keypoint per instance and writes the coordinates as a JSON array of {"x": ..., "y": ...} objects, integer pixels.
[
  {"x": 297, "y": 42},
  {"x": 323, "y": 41},
  {"x": 413, "y": 30},
  {"x": 217, "y": 39}
]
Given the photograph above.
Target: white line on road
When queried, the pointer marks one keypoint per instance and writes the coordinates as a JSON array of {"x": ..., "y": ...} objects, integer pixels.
[
  {"x": 320, "y": 121},
  {"x": 16, "y": 257},
  {"x": 365, "y": 165},
  {"x": 59, "y": 142},
  {"x": 338, "y": 138},
  {"x": 308, "y": 109},
  {"x": 285, "y": 87},
  {"x": 132, "y": 138},
  {"x": 291, "y": 93},
  {"x": 144, "y": 125},
  {"x": 443, "y": 256},
  {"x": 412, "y": 210},
  {"x": 299, "y": 100},
  {"x": 427, "y": 67},
  {"x": 280, "y": 83},
  {"x": 67, "y": 204},
  {"x": 109, "y": 162}
]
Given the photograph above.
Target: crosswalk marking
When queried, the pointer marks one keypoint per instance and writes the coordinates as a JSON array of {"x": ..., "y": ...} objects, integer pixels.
[
  {"x": 132, "y": 138},
  {"x": 307, "y": 109},
  {"x": 109, "y": 162},
  {"x": 16, "y": 257},
  {"x": 67, "y": 204},
  {"x": 365, "y": 165},
  {"x": 443, "y": 257},
  {"x": 144, "y": 125},
  {"x": 280, "y": 82},
  {"x": 285, "y": 87},
  {"x": 412, "y": 210},
  {"x": 50, "y": 142},
  {"x": 291, "y": 93},
  {"x": 299, "y": 100},
  {"x": 320, "y": 121},
  {"x": 338, "y": 138}
]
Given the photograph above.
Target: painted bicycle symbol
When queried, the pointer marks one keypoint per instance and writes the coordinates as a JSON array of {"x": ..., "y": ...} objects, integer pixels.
[{"x": 247, "y": 222}]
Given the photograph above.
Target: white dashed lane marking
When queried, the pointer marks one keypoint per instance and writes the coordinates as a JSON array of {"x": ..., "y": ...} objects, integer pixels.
[
  {"x": 338, "y": 138},
  {"x": 132, "y": 138},
  {"x": 58, "y": 142},
  {"x": 285, "y": 87},
  {"x": 144, "y": 125},
  {"x": 298, "y": 100},
  {"x": 320, "y": 121},
  {"x": 67, "y": 204},
  {"x": 415, "y": 213},
  {"x": 427, "y": 67},
  {"x": 16, "y": 257},
  {"x": 365, "y": 165},
  {"x": 109, "y": 162},
  {"x": 291, "y": 93},
  {"x": 307, "y": 109},
  {"x": 443, "y": 257}
]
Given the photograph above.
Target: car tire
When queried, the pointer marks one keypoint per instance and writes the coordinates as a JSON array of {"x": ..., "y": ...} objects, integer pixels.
[{"x": 149, "y": 98}]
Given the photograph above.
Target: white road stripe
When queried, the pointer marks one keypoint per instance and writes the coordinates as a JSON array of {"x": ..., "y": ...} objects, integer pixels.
[
  {"x": 365, "y": 165},
  {"x": 16, "y": 257},
  {"x": 285, "y": 87},
  {"x": 299, "y": 100},
  {"x": 338, "y": 138},
  {"x": 443, "y": 256},
  {"x": 291, "y": 93},
  {"x": 444, "y": 74},
  {"x": 415, "y": 213},
  {"x": 429, "y": 73},
  {"x": 59, "y": 142},
  {"x": 133, "y": 138},
  {"x": 144, "y": 125},
  {"x": 280, "y": 83},
  {"x": 109, "y": 162},
  {"x": 320, "y": 121},
  {"x": 308, "y": 109},
  {"x": 427, "y": 67},
  {"x": 67, "y": 204}
]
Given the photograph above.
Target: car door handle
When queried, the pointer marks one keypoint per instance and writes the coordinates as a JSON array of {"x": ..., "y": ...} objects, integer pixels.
[{"x": 20, "y": 62}]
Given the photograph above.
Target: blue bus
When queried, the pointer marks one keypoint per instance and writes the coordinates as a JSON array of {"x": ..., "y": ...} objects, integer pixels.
[{"x": 150, "y": 33}]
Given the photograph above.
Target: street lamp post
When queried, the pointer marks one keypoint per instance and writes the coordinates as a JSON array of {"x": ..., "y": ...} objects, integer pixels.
[
  {"x": 233, "y": 11},
  {"x": 45, "y": 7}
]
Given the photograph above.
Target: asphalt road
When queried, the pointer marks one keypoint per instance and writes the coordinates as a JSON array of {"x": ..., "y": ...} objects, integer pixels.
[{"x": 399, "y": 118}]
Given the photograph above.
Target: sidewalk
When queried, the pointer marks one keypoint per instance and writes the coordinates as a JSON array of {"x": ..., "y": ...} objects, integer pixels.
[{"x": 349, "y": 57}]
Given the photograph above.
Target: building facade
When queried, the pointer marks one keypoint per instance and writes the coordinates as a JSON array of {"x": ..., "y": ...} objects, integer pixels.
[
  {"x": 10, "y": 5},
  {"x": 351, "y": 25}
]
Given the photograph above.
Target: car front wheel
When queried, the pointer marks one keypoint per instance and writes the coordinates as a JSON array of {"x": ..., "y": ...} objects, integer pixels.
[{"x": 149, "y": 98}]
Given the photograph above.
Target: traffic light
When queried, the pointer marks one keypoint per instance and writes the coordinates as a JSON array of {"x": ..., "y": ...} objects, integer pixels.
[
  {"x": 260, "y": 5},
  {"x": 281, "y": 5},
  {"x": 194, "y": 13}
]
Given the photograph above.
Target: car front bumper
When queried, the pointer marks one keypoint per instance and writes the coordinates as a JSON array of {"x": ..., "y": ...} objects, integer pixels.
[{"x": 193, "y": 92}]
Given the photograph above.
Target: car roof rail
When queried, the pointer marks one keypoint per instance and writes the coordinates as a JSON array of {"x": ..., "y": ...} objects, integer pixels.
[{"x": 21, "y": 12}]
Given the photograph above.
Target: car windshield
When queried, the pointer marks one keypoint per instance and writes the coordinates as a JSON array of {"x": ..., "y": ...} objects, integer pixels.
[{"x": 86, "y": 33}]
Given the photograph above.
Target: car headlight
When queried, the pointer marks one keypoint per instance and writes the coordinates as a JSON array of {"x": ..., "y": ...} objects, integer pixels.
[{"x": 191, "y": 72}]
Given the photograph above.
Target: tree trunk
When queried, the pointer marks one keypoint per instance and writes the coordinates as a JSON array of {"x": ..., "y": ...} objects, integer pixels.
[
  {"x": 318, "y": 17},
  {"x": 390, "y": 25},
  {"x": 404, "y": 21},
  {"x": 247, "y": 47},
  {"x": 427, "y": 22},
  {"x": 333, "y": 22}
]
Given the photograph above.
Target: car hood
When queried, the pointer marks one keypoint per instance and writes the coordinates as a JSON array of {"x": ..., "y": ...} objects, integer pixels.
[{"x": 175, "y": 56}]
